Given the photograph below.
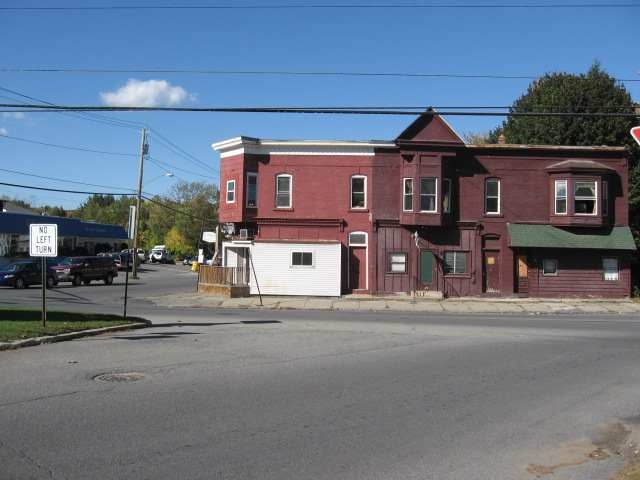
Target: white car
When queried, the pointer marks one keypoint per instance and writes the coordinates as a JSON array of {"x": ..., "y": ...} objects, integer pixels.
[{"x": 159, "y": 254}]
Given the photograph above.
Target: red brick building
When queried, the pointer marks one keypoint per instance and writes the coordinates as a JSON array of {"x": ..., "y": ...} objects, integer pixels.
[{"x": 427, "y": 212}]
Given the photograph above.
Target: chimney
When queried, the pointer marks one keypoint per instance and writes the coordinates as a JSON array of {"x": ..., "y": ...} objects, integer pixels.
[{"x": 502, "y": 139}]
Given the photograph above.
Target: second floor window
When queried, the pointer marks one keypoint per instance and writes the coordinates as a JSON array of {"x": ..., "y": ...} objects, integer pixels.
[
  {"x": 252, "y": 190},
  {"x": 584, "y": 198},
  {"x": 446, "y": 195},
  {"x": 561, "y": 197},
  {"x": 358, "y": 191},
  {"x": 428, "y": 194},
  {"x": 231, "y": 191},
  {"x": 605, "y": 198},
  {"x": 407, "y": 194},
  {"x": 283, "y": 191},
  {"x": 492, "y": 196}
]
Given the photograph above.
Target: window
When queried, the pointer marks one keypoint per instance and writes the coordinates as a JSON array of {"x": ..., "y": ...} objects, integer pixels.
[
  {"x": 446, "y": 195},
  {"x": 358, "y": 191},
  {"x": 358, "y": 239},
  {"x": 428, "y": 194},
  {"x": 561, "y": 197},
  {"x": 549, "y": 267},
  {"x": 397, "y": 263},
  {"x": 407, "y": 194},
  {"x": 584, "y": 198},
  {"x": 252, "y": 190},
  {"x": 231, "y": 191},
  {"x": 605, "y": 198},
  {"x": 455, "y": 262},
  {"x": 610, "y": 268},
  {"x": 492, "y": 196},
  {"x": 283, "y": 191},
  {"x": 301, "y": 259}
]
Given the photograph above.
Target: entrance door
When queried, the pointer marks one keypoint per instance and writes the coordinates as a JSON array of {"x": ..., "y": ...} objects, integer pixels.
[
  {"x": 491, "y": 271},
  {"x": 426, "y": 268},
  {"x": 523, "y": 275},
  {"x": 358, "y": 268}
]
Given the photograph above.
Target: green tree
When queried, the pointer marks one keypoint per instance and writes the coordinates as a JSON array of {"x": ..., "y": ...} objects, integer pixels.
[{"x": 177, "y": 243}]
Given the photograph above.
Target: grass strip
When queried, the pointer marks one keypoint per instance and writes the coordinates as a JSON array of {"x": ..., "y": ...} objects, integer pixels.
[{"x": 19, "y": 324}]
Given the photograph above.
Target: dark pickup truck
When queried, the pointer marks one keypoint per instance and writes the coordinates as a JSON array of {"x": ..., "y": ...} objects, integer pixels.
[{"x": 79, "y": 270}]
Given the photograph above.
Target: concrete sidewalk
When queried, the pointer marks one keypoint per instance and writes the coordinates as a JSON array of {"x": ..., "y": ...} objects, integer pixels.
[{"x": 405, "y": 304}]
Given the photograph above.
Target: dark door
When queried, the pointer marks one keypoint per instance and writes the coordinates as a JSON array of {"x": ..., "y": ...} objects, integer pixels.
[
  {"x": 491, "y": 271},
  {"x": 358, "y": 268},
  {"x": 426, "y": 267}
]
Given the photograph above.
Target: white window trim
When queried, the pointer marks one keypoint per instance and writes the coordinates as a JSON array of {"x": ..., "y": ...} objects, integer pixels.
[
  {"x": 447, "y": 181},
  {"x": 251, "y": 174},
  {"x": 366, "y": 239},
  {"x": 313, "y": 259},
  {"x": 390, "y": 269},
  {"x": 351, "y": 192},
  {"x": 605, "y": 198},
  {"x": 429, "y": 194},
  {"x": 556, "y": 198},
  {"x": 604, "y": 272},
  {"x": 232, "y": 190},
  {"x": 455, "y": 261},
  {"x": 554, "y": 274},
  {"x": 290, "y": 190},
  {"x": 499, "y": 212},
  {"x": 405, "y": 194},
  {"x": 595, "y": 198}
]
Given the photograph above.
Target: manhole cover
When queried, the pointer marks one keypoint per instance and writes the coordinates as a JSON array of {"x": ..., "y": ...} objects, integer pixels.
[{"x": 119, "y": 377}]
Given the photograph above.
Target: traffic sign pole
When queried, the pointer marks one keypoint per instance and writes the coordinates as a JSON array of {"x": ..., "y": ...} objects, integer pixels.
[{"x": 43, "y": 242}]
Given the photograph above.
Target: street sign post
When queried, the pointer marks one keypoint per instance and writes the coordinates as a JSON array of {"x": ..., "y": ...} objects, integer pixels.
[
  {"x": 43, "y": 242},
  {"x": 635, "y": 133}
]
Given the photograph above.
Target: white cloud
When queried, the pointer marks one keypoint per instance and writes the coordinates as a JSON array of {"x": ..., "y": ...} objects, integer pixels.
[
  {"x": 4, "y": 131},
  {"x": 14, "y": 115},
  {"x": 147, "y": 93}
]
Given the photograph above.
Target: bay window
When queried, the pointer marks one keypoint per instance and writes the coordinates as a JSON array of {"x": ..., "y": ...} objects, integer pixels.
[
  {"x": 407, "y": 194},
  {"x": 428, "y": 194},
  {"x": 561, "y": 197},
  {"x": 585, "y": 197},
  {"x": 446, "y": 195}
]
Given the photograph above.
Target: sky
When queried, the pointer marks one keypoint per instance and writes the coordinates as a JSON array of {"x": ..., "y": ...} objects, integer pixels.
[{"x": 483, "y": 40}]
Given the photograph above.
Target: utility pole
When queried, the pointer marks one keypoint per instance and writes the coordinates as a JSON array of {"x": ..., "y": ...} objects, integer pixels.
[{"x": 144, "y": 148}]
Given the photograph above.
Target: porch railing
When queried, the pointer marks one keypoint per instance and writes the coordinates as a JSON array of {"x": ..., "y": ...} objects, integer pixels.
[{"x": 223, "y": 275}]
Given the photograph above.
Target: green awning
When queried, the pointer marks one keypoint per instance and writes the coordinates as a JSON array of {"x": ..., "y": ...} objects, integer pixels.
[{"x": 547, "y": 236}]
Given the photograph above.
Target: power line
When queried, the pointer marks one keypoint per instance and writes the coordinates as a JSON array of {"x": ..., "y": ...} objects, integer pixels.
[
  {"x": 306, "y": 110},
  {"x": 351, "y": 6},
  {"x": 164, "y": 164},
  {"x": 17, "y": 172},
  {"x": 176, "y": 71},
  {"x": 178, "y": 150},
  {"x": 68, "y": 147}
]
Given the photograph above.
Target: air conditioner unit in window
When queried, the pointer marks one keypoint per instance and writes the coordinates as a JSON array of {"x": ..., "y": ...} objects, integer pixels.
[{"x": 244, "y": 233}]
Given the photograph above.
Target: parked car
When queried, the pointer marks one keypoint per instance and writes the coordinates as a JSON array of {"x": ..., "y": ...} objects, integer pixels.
[
  {"x": 79, "y": 270},
  {"x": 159, "y": 254},
  {"x": 142, "y": 255},
  {"x": 25, "y": 273},
  {"x": 189, "y": 260}
]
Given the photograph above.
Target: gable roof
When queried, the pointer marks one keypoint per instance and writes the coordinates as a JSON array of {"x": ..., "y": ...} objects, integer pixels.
[{"x": 430, "y": 127}]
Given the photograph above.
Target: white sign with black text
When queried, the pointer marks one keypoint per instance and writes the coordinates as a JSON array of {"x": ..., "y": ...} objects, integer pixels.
[{"x": 43, "y": 240}]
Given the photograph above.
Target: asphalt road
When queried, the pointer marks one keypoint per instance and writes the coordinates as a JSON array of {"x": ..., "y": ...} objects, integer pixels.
[{"x": 324, "y": 395}]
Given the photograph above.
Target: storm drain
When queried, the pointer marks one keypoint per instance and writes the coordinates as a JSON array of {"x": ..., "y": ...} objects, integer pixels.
[{"x": 119, "y": 377}]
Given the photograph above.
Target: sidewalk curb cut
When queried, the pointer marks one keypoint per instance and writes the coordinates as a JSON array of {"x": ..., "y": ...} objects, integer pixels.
[{"x": 63, "y": 337}]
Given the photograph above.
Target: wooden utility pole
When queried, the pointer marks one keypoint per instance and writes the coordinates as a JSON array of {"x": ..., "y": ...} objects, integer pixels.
[{"x": 144, "y": 148}]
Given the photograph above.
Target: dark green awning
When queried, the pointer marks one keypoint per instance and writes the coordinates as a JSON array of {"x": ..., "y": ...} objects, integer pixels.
[{"x": 547, "y": 236}]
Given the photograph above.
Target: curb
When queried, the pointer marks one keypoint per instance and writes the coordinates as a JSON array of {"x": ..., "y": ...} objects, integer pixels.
[{"x": 63, "y": 337}]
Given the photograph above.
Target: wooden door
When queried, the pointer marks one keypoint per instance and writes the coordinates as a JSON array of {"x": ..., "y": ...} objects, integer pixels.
[
  {"x": 523, "y": 275},
  {"x": 357, "y": 268},
  {"x": 491, "y": 271},
  {"x": 426, "y": 268}
]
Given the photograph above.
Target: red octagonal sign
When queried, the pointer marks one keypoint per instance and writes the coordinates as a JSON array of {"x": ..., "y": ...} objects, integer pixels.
[{"x": 635, "y": 133}]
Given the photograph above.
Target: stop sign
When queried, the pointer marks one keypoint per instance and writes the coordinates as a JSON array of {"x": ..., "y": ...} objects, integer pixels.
[{"x": 635, "y": 133}]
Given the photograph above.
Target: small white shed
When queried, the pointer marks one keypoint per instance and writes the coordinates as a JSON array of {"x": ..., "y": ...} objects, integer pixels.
[{"x": 296, "y": 268}]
